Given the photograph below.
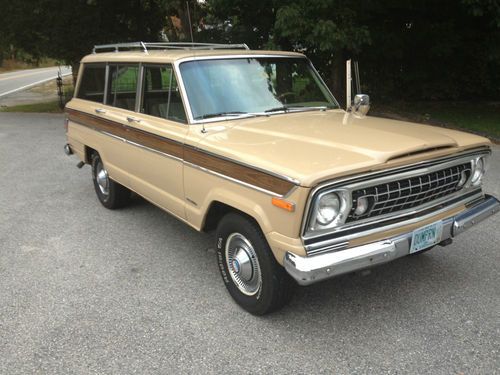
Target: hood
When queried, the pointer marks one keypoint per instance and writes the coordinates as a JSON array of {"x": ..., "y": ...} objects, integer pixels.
[{"x": 314, "y": 146}]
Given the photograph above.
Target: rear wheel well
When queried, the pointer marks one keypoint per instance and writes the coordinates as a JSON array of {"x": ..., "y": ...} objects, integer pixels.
[
  {"x": 217, "y": 211},
  {"x": 88, "y": 154}
]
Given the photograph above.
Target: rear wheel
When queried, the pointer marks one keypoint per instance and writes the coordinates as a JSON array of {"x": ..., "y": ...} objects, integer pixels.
[
  {"x": 110, "y": 193},
  {"x": 248, "y": 268}
]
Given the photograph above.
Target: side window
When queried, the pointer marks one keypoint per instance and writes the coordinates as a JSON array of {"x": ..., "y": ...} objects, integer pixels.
[
  {"x": 122, "y": 86},
  {"x": 92, "y": 83},
  {"x": 161, "y": 94}
]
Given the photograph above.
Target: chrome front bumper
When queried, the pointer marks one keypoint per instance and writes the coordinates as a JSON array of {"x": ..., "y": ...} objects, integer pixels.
[{"x": 309, "y": 270}]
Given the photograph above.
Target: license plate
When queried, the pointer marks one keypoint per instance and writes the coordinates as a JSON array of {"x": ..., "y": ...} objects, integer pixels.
[{"x": 426, "y": 237}]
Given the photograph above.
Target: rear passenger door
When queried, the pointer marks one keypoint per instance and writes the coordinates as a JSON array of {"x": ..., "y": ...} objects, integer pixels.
[
  {"x": 119, "y": 107},
  {"x": 102, "y": 128}
]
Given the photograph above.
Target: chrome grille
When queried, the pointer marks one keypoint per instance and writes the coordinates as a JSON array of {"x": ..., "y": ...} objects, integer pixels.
[{"x": 409, "y": 192}]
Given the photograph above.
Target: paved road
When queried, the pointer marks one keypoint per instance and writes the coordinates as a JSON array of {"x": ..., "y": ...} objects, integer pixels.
[
  {"x": 87, "y": 290},
  {"x": 22, "y": 79}
]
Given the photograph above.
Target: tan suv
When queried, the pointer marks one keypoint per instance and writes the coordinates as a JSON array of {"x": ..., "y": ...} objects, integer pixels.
[{"x": 253, "y": 145}]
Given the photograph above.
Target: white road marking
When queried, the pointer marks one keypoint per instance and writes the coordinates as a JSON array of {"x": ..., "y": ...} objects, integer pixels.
[
  {"x": 23, "y": 74},
  {"x": 31, "y": 85}
]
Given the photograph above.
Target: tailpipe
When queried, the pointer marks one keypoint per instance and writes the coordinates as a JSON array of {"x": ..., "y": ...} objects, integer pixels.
[{"x": 67, "y": 149}]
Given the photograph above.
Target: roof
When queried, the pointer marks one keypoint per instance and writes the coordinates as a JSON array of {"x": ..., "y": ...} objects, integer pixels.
[{"x": 169, "y": 56}]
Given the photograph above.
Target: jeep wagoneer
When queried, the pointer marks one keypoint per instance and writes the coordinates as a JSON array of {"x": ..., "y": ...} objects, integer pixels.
[{"x": 253, "y": 145}]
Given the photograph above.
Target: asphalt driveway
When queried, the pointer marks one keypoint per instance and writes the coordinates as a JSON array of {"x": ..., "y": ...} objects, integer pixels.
[{"x": 88, "y": 290}]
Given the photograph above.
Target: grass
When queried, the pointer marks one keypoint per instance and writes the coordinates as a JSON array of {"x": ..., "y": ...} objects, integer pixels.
[
  {"x": 477, "y": 117},
  {"x": 48, "y": 107},
  {"x": 10, "y": 65}
]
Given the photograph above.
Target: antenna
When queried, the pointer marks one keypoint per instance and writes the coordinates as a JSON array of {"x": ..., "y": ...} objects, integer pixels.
[
  {"x": 356, "y": 76},
  {"x": 189, "y": 18}
]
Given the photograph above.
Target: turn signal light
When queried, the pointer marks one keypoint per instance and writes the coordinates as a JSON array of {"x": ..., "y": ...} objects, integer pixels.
[{"x": 281, "y": 203}]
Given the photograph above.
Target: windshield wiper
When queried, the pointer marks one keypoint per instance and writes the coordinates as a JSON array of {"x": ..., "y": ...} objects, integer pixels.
[
  {"x": 297, "y": 108},
  {"x": 283, "y": 108},
  {"x": 220, "y": 114}
]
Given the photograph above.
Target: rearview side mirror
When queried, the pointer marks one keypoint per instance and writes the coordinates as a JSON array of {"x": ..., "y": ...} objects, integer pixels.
[{"x": 361, "y": 105}]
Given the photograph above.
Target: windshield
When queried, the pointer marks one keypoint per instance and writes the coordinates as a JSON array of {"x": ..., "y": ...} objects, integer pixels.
[{"x": 234, "y": 87}]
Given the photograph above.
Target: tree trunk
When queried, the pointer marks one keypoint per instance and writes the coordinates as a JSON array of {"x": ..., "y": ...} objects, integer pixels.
[
  {"x": 75, "y": 67},
  {"x": 186, "y": 33},
  {"x": 12, "y": 52}
]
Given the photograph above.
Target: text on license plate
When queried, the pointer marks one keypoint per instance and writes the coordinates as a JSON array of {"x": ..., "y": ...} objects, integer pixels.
[{"x": 426, "y": 237}]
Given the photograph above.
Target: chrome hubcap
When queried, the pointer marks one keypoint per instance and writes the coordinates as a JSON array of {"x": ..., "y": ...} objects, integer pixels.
[
  {"x": 243, "y": 264},
  {"x": 102, "y": 179}
]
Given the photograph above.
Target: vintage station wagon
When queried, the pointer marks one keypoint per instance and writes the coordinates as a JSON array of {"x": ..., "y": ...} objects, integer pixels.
[{"x": 253, "y": 145}]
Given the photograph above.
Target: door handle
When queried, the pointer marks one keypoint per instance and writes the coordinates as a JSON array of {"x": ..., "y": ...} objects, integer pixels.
[
  {"x": 133, "y": 119},
  {"x": 100, "y": 111}
]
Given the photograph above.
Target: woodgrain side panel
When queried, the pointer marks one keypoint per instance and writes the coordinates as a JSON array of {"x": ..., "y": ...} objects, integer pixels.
[
  {"x": 96, "y": 123},
  {"x": 155, "y": 142},
  {"x": 131, "y": 134},
  {"x": 237, "y": 171},
  {"x": 188, "y": 153}
]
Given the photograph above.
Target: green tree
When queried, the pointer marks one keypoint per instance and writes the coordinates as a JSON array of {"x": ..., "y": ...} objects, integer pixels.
[
  {"x": 240, "y": 21},
  {"x": 328, "y": 31},
  {"x": 431, "y": 50},
  {"x": 485, "y": 8},
  {"x": 67, "y": 30},
  {"x": 408, "y": 49}
]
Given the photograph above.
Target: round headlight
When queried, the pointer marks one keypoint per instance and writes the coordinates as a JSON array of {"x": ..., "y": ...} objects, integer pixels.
[
  {"x": 478, "y": 171},
  {"x": 328, "y": 208}
]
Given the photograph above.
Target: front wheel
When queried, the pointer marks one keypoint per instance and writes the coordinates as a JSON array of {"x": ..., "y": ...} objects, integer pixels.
[{"x": 248, "y": 268}]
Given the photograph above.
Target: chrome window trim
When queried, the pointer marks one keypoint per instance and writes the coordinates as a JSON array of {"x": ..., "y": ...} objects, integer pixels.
[
  {"x": 106, "y": 82},
  {"x": 370, "y": 179},
  {"x": 122, "y": 63},
  {"x": 324, "y": 84},
  {"x": 138, "y": 89},
  {"x": 79, "y": 79},
  {"x": 182, "y": 87},
  {"x": 172, "y": 68}
]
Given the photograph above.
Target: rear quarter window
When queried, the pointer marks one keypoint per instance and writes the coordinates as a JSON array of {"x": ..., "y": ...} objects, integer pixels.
[{"x": 92, "y": 83}]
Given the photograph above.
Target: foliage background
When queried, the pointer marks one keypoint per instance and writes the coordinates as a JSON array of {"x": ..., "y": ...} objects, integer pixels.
[{"x": 407, "y": 49}]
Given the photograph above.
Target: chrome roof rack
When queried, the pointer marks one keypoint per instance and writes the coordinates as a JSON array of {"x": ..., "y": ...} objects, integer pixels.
[{"x": 117, "y": 47}]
